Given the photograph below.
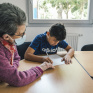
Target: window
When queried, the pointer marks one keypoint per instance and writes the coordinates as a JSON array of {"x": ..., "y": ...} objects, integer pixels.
[{"x": 69, "y": 12}]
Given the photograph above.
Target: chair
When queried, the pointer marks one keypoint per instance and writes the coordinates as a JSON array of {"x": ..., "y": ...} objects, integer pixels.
[
  {"x": 22, "y": 49},
  {"x": 87, "y": 47}
]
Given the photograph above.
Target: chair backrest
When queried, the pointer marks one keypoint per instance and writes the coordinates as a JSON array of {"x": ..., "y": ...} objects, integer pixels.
[
  {"x": 87, "y": 47},
  {"x": 22, "y": 49}
]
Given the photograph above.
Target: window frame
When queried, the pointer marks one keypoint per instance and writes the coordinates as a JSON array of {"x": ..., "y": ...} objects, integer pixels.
[{"x": 72, "y": 23}]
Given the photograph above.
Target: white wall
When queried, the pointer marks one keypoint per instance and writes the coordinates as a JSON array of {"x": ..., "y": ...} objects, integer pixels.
[{"x": 31, "y": 32}]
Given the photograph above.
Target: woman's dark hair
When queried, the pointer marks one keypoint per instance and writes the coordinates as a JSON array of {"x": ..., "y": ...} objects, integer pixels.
[
  {"x": 58, "y": 31},
  {"x": 10, "y": 18}
]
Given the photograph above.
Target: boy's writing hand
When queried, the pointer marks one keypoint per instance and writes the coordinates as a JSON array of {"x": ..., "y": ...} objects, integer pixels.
[
  {"x": 44, "y": 66},
  {"x": 67, "y": 59},
  {"x": 47, "y": 60}
]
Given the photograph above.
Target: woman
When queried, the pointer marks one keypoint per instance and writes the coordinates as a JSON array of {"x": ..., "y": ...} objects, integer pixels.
[{"x": 12, "y": 31}]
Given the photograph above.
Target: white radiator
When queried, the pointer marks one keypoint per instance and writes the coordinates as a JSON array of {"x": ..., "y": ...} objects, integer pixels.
[{"x": 72, "y": 40}]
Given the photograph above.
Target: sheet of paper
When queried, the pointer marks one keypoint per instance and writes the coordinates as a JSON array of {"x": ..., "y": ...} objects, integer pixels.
[{"x": 56, "y": 59}]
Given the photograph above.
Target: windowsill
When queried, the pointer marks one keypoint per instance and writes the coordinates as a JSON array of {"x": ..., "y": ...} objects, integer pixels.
[{"x": 67, "y": 25}]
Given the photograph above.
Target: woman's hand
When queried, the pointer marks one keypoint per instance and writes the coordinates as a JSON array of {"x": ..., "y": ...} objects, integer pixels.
[{"x": 44, "y": 66}]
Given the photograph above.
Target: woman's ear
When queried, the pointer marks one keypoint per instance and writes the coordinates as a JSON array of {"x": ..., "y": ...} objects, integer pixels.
[{"x": 6, "y": 37}]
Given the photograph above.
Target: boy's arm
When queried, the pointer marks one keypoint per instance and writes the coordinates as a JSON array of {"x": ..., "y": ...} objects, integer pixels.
[
  {"x": 70, "y": 53},
  {"x": 29, "y": 55},
  {"x": 69, "y": 49}
]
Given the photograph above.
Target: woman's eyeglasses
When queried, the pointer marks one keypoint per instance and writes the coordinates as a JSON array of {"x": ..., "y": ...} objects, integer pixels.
[{"x": 21, "y": 34}]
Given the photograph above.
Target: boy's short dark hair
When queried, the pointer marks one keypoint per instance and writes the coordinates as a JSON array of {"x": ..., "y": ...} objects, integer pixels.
[
  {"x": 10, "y": 18},
  {"x": 58, "y": 31}
]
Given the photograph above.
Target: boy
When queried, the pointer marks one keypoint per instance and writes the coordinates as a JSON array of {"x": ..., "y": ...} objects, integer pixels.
[{"x": 49, "y": 42}]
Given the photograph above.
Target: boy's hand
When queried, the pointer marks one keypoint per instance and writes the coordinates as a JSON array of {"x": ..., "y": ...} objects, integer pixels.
[
  {"x": 47, "y": 60},
  {"x": 67, "y": 59},
  {"x": 44, "y": 66}
]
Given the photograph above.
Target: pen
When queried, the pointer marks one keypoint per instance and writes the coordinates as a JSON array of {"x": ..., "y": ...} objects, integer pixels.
[{"x": 47, "y": 54}]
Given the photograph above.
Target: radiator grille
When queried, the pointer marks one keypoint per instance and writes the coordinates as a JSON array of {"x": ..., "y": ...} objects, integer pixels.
[{"x": 72, "y": 40}]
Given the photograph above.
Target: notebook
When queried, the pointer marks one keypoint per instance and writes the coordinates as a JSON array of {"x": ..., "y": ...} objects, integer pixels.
[{"x": 56, "y": 59}]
